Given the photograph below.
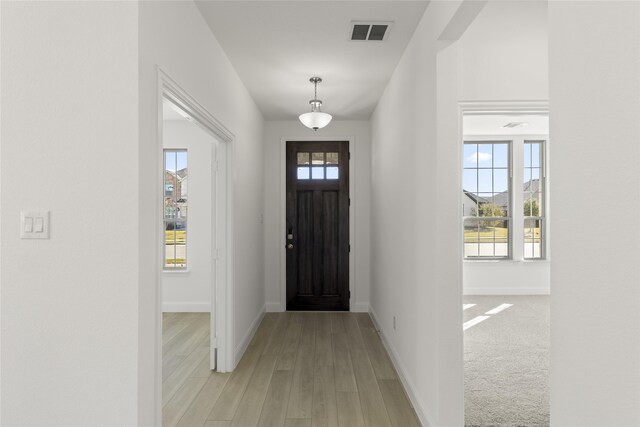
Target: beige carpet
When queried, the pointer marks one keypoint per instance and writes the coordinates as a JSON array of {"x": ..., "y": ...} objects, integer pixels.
[{"x": 506, "y": 362}]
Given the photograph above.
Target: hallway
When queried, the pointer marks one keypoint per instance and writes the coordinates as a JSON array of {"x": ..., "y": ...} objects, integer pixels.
[{"x": 300, "y": 369}]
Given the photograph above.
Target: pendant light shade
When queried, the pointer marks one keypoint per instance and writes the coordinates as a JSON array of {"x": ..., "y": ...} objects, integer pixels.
[{"x": 315, "y": 119}]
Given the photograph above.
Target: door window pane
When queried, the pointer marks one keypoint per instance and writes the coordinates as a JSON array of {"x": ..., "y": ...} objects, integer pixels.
[
  {"x": 332, "y": 158},
  {"x": 303, "y": 172},
  {"x": 332, "y": 172},
  {"x": 303, "y": 158},
  {"x": 317, "y": 158},
  {"x": 317, "y": 172}
]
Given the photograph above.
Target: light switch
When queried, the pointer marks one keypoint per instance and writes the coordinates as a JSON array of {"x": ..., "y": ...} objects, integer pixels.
[
  {"x": 38, "y": 224},
  {"x": 28, "y": 225},
  {"x": 34, "y": 225}
]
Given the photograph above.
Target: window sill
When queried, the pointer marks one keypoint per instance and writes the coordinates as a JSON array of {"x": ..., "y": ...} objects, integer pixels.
[
  {"x": 508, "y": 261},
  {"x": 187, "y": 271}
]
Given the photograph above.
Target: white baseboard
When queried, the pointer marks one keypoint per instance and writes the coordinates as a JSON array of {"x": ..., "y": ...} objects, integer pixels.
[
  {"x": 186, "y": 307},
  {"x": 275, "y": 307},
  {"x": 248, "y": 336},
  {"x": 507, "y": 291},
  {"x": 425, "y": 419},
  {"x": 360, "y": 307}
]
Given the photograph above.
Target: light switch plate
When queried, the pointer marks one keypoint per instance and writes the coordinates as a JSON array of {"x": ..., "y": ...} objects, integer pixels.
[{"x": 34, "y": 224}]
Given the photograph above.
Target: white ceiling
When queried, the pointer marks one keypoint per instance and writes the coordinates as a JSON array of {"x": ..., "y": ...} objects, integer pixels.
[{"x": 276, "y": 46}]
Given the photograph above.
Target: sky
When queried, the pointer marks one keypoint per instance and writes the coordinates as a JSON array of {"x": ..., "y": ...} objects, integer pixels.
[
  {"x": 175, "y": 162},
  {"x": 486, "y": 167}
]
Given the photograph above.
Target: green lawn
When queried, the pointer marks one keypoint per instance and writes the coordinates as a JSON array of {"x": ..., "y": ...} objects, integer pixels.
[
  {"x": 501, "y": 235},
  {"x": 180, "y": 237}
]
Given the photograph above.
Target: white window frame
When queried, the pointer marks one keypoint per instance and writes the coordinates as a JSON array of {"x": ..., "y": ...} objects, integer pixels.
[
  {"x": 516, "y": 223},
  {"x": 510, "y": 217},
  {"x": 544, "y": 141},
  {"x": 166, "y": 267}
]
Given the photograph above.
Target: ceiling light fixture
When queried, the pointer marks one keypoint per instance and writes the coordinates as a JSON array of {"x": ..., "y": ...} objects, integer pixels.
[{"x": 315, "y": 119}]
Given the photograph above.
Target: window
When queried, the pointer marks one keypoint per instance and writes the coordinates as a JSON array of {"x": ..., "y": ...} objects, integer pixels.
[
  {"x": 487, "y": 199},
  {"x": 504, "y": 217},
  {"x": 318, "y": 166},
  {"x": 175, "y": 209},
  {"x": 533, "y": 196}
]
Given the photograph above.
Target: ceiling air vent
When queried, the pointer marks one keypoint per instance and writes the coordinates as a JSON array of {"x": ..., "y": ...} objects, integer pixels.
[
  {"x": 515, "y": 125},
  {"x": 373, "y": 31}
]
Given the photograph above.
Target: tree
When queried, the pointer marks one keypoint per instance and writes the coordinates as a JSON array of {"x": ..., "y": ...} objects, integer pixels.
[
  {"x": 489, "y": 209},
  {"x": 531, "y": 207}
]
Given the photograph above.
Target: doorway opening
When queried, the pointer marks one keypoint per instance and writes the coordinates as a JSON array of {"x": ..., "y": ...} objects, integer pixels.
[
  {"x": 506, "y": 263},
  {"x": 194, "y": 251}
]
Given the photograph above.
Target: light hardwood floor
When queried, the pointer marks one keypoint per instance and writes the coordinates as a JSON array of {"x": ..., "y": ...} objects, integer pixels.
[{"x": 300, "y": 369}]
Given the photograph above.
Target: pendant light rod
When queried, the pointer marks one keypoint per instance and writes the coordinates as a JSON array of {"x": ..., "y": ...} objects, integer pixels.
[{"x": 315, "y": 119}]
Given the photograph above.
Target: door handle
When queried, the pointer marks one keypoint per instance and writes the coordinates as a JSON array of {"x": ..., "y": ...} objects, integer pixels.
[{"x": 290, "y": 246}]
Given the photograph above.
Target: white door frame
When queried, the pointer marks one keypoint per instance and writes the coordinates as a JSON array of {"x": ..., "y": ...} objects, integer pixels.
[
  {"x": 222, "y": 249},
  {"x": 352, "y": 216}
]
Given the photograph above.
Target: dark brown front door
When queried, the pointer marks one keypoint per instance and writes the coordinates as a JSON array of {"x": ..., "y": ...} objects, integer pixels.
[{"x": 317, "y": 239}]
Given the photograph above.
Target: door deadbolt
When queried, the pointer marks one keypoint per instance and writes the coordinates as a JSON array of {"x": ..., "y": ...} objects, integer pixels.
[{"x": 290, "y": 246}]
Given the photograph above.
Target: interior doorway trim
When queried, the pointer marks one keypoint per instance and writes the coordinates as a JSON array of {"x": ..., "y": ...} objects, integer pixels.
[
  {"x": 222, "y": 286},
  {"x": 352, "y": 217},
  {"x": 502, "y": 107}
]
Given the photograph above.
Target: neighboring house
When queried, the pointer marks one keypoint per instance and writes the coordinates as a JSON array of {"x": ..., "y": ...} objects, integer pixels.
[
  {"x": 172, "y": 184},
  {"x": 183, "y": 180},
  {"x": 470, "y": 200}
]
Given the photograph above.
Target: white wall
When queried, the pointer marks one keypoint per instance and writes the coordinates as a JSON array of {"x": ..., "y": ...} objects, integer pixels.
[
  {"x": 415, "y": 267},
  {"x": 174, "y": 36},
  {"x": 191, "y": 290},
  {"x": 275, "y": 133},
  {"x": 70, "y": 145},
  {"x": 503, "y": 56},
  {"x": 595, "y": 277}
]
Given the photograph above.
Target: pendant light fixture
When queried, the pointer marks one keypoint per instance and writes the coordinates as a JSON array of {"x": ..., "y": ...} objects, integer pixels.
[{"x": 315, "y": 119}]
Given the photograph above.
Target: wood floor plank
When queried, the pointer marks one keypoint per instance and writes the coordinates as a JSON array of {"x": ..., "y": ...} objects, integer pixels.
[
  {"x": 203, "y": 370},
  {"x": 274, "y": 410},
  {"x": 173, "y": 383},
  {"x": 169, "y": 364},
  {"x": 301, "y": 396},
  {"x": 324, "y": 352},
  {"x": 176, "y": 328},
  {"x": 364, "y": 320},
  {"x": 373, "y": 409},
  {"x": 297, "y": 422},
  {"x": 195, "y": 339},
  {"x": 378, "y": 355},
  {"x": 344, "y": 376},
  {"x": 276, "y": 340},
  {"x": 353, "y": 332},
  {"x": 287, "y": 358},
  {"x": 325, "y": 407},
  {"x": 337, "y": 323},
  {"x": 248, "y": 412},
  {"x": 188, "y": 338},
  {"x": 177, "y": 406},
  {"x": 226, "y": 405},
  {"x": 397, "y": 404},
  {"x": 266, "y": 328},
  {"x": 198, "y": 411},
  {"x": 349, "y": 410}
]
